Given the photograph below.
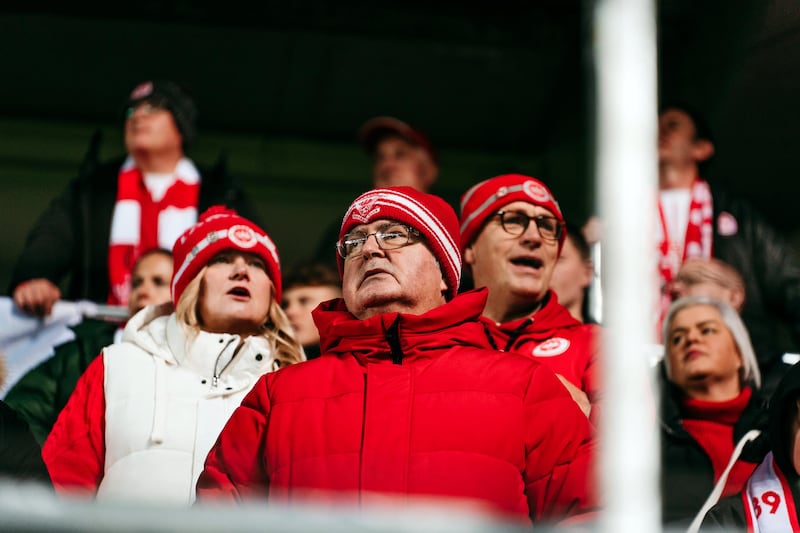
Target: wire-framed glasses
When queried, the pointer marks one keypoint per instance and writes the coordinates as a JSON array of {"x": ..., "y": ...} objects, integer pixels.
[{"x": 389, "y": 238}]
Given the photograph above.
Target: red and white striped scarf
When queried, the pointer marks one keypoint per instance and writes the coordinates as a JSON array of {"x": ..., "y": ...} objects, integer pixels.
[
  {"x": 139, "y": 223},
  {"x": 768, "y": 501},
  {"x": 696, "y": 243}
]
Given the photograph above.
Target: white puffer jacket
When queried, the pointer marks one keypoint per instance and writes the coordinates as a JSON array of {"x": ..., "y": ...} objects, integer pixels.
[{"x": 167, "y": 399}]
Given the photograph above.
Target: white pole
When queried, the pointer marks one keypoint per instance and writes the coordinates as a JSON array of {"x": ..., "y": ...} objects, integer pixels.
[{"x": 625, "y": 59}]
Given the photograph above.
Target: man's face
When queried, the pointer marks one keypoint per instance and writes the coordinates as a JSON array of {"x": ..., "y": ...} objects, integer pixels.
[
  {"x": 400, "y": 163},
  {"x": 516, "y": 269},
  {"x": 150, "y": 282},
  {"x": 406, "y": 280},
  {"x": 571, "y": 275},
  {"x": 152, "y": 129},
  {"x": 299, "y": 301}
]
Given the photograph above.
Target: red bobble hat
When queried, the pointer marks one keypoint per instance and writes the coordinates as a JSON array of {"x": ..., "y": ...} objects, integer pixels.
[
  {"x": 220, "y": 229},
  {"x": 427, "y": 213},
  {"x": 484, "y": 200}
]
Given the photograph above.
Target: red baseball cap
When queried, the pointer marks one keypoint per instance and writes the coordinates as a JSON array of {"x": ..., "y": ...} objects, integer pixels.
[{"x": 376, "y": 128}]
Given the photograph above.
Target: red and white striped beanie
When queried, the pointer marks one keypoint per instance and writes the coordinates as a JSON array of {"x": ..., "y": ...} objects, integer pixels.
[
  {"x": 220, "y": 229},
  {"x": 484, "y": 199},
  {"x": 427, "y": 213}
]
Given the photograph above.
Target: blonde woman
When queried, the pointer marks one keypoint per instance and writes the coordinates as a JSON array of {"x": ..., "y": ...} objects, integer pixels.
[{"x": 146, "y": 412}]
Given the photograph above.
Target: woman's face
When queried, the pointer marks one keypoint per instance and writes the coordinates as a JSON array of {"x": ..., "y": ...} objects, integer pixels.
[
  {"x": 150, "y": 281},
  {"x": 701, "y": 349},
  {"x": 235, "y": 294}
]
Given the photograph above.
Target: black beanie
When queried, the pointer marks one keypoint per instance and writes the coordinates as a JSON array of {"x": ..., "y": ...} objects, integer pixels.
[{"x": 173, "y": 98}]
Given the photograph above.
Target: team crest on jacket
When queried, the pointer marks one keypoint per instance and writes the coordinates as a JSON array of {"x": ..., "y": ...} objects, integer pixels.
[
  {"x": 727, "y": 224},
  {"x": 551, "y": 347},
  {"x": 242, "y": 236}
]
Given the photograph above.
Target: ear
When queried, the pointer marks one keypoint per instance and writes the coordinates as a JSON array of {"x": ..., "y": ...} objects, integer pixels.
[
  {"x": 702, "y": 149},
  {"x": 443, "y": 287},
  {"x": 588, "y": 273},
  {"x": 737, "y": 298},
  {"x": 429, "y": 171},
  {"x": 469, "y": 255}
]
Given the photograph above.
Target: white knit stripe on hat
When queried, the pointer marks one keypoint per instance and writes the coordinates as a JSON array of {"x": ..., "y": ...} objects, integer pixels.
[
  {"x": 273, "y": 250},
  {"x": 487, "y": 204},
  {"x": 470, "y": 192},
  {"x": 212, "y": 237},
  {"x": 429, "y": 220}
]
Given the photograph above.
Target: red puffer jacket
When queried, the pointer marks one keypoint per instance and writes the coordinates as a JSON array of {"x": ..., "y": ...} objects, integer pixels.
[
  {"x": 553, "y": 337},
  {"x": 410, "y": 406}
]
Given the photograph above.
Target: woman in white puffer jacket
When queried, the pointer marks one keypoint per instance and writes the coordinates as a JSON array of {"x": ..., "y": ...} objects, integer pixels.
[{"x": 147, "y": 410}]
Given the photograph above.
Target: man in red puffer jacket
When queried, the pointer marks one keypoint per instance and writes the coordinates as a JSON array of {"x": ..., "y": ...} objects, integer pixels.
[{"x": 407, "y": 399}]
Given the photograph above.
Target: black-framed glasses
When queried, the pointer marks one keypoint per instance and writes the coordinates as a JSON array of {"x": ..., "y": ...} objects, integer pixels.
[
  {"x": 516, "y": 222},
  {"x": 389, "y": 238}
]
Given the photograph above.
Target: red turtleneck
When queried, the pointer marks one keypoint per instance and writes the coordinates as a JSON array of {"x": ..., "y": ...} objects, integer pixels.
[{"x": 711, "y": 425}]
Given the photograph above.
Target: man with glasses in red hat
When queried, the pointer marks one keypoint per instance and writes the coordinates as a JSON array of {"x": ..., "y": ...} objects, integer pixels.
[
  {"x": 408, "y": 400},
  {"x": 512, "y": 232}
]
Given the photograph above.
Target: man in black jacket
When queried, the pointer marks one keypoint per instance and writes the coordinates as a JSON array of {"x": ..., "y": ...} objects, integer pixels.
[
  {"x": 97, "y": 227},
  {"x": 699, "y": 220}
]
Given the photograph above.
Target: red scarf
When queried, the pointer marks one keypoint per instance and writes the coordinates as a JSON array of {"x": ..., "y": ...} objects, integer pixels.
[
  {"x": 696, "y": 243},
  {"x": 711, "y": 424},
  {"x": 140, "y": 224}
]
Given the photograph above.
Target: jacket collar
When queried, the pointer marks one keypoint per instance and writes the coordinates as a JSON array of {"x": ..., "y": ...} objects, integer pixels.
[
  {"x": 541, "y": 323},
  {"x": 385, "y": 337},
  {"x": 156, "y": 330}
]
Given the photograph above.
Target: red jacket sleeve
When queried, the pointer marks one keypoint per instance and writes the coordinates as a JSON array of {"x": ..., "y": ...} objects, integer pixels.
[
  {"x": 74, "y": 452},
  {"x": 235, "y": 469},
  {"x": 560, "y": 452}
]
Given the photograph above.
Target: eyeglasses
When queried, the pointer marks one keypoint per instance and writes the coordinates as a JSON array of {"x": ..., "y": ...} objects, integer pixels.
[
  {"x": 147, "y": 107},
  {"x": 389, "y": 238},
  {"x": 515, "y": 223}
]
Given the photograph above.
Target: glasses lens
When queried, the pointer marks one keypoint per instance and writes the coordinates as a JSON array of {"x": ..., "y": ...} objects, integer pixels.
[
  {"x": 514, "y": 223},
  {"x": 351, "y": 244},
  {"x": 393, "y": 237},
  {"x": 547, "y": 226}
]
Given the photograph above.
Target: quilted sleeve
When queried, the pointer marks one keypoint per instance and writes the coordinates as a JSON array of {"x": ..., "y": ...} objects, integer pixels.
[
  {"x": 560, "y": 452},
  {"x": 234, "y": 469},
  {"x": 74, "y": 452}
]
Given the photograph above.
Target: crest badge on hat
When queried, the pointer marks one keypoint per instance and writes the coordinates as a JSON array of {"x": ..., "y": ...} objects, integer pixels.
[
  {"x": 365, "y": 208},
  {"x": 142, "y": 90},
  {"x": 536, "y": 191},
  {"x": 242, "y": 236}
]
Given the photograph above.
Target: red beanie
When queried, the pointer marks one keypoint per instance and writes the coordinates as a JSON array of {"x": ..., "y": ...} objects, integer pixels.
[
  {"x": 484, "y": 200},
  {"x": 220, "y": 229},
  {"x": 427, "y": 213}
]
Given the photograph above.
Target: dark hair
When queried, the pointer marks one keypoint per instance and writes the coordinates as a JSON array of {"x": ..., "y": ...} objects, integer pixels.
[
  {"x": 311, "y": 274},
  {"x": 575, "y": 235},
  {"x": 702, "y": 130},
  {"x": 152, "y": 251}
]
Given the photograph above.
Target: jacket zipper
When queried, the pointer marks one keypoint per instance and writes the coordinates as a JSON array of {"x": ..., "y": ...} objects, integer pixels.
[{"x": 215, "y": 377}]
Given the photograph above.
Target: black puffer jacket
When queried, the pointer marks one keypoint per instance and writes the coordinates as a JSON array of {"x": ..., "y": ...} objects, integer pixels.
[
  {"x": 771, "y": 272},
  {"x": 71, "y": 236},
  {"x": 729, "y": 513},
  {"x": 687, "y": 475}
]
